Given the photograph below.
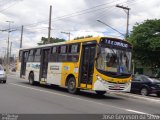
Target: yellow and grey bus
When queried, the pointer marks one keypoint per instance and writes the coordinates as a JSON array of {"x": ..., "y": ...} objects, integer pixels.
[{"x": 98, "y": 63}]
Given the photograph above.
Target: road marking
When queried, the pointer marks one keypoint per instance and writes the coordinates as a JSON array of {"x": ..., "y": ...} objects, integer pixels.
[
  {"x": 134, "y": 111},
  {"x": 128, "y": 110},
  {"x": 152, "y": 116}
]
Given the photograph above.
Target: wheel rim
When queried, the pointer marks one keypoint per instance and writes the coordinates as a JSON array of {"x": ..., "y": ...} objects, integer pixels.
[
  {"x": 71, "y": 85},
  {"x": 144, "y": 92},
  {"x": 30, "y": 79}
]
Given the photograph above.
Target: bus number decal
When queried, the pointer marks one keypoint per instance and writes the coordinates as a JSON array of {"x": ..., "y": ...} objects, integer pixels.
[
  {"x": 54, "y": 67},
  {"x": 34, "y": 66}
]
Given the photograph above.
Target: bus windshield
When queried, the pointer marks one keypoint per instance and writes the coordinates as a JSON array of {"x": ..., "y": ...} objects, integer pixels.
[{"x": 114, "y": 60}]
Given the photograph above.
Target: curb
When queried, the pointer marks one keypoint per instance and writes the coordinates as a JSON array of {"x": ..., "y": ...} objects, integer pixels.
[
  {"x": 130, "y": 95},
  {"x": 12, "y": 73}
]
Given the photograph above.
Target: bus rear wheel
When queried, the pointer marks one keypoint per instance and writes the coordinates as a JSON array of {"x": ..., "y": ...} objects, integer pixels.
[
  {"x": 72, "y": 86},
  {"x": 101, "y": 92},
  {"x": 31, "y": 79}
]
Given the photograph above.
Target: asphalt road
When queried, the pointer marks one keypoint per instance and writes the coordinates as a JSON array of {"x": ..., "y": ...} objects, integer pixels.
[{"x": 17, "y": 96}]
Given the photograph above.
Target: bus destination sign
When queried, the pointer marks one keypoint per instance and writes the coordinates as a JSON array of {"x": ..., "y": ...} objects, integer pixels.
[{"x": 115, "y": 43}]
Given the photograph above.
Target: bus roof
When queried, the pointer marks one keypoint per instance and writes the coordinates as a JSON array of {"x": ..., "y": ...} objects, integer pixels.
[{"x": 68, "y": 42}]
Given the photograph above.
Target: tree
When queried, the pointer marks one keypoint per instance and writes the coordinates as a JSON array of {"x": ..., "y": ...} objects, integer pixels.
[
  {"x": 145, "y": 38},
  {"x": 52, "y": 40}
]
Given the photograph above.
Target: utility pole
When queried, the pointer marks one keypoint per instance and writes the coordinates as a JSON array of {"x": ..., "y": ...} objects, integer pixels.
[
  {"x": 67, "y": 33},
  {"x": 21, "y": 37},
  {"x": 8, "y": 45},
  {"x": 127, "y": 12},
  {"x": 49, "y": 27},
  {"x": 10, "y": 51},
  {"x": 133, "y": 66}
]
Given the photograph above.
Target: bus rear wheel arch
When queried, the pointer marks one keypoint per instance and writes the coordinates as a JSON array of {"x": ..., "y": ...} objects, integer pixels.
[{"x": 71, "y": 85}]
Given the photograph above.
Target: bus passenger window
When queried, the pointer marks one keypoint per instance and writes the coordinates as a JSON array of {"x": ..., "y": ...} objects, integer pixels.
[
  {"x": 54, "y": 54},
  {"x": 31, "y": 56},
  {"x": 62, "y": 57},
  {"x": 73, "y": 53},
  {"x": 37, "y": 57}
]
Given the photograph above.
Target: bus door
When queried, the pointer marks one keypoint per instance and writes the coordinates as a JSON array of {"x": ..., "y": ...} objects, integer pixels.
[
  {"x": 23, "y": 63},
  {"x": 44, "y": 64},
  {"x": 87, "y": 65}
]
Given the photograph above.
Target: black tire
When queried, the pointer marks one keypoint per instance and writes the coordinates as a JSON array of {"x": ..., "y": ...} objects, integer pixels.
[
  {"x": 4, "y": 81},
  {"x": 158, "y": 94},
  {"x": 31, "y": 79},
  {"x": 144, "y": 92},
  {"x": 71, "y": 85},
  {"x": 100, "y": 92}
]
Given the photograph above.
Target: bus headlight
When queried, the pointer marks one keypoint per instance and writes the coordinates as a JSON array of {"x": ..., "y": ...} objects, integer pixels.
[{"x": 98, "y": 77}]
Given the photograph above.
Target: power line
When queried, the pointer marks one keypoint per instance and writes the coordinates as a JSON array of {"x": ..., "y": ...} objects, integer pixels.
[
  {"x": 87, "y": 10},
  {"x": 98, "y": 8},
  {"x": 5, "y": 2},
  {"x": 73, "y": 14},
  {"x": 2, "y": 10},
  {"x": 104, "y": 13}
]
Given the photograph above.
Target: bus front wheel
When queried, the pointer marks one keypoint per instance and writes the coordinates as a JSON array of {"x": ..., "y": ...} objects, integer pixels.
[
  {"x": 72, "y": 86},
  {"x": 100, "y": 92}
]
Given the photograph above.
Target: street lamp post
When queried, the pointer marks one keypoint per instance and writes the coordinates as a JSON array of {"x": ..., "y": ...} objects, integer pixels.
[
  {"x": 67, "y": 33},
  {"x": 111, "y": 27},
  {"x": 127, "y": 12}
]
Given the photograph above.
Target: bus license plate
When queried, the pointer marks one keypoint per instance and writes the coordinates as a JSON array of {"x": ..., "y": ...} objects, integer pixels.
[{"x": 116, "y": 87}]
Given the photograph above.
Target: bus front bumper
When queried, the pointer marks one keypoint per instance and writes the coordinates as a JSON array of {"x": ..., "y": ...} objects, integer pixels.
[{"x": 102, "y": 85}]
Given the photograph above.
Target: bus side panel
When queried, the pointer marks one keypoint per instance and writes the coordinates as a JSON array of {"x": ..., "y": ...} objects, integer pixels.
[
  {"x": 54, "y": 74},
  {"x": 35, "y": 67},
  {"x": 69, "y": 69}
]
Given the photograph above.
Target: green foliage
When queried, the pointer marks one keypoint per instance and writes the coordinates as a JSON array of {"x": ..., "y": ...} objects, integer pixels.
[
  {"x": 145, "y": 38},
  {"x": 52, "y": 40}
]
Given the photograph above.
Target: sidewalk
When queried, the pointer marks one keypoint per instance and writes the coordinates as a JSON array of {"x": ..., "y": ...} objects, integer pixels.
[{"x": 12, "y": 73}]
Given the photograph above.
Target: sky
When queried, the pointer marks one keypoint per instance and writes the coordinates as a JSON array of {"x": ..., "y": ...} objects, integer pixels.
[{"x": 79, "y": 17}]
